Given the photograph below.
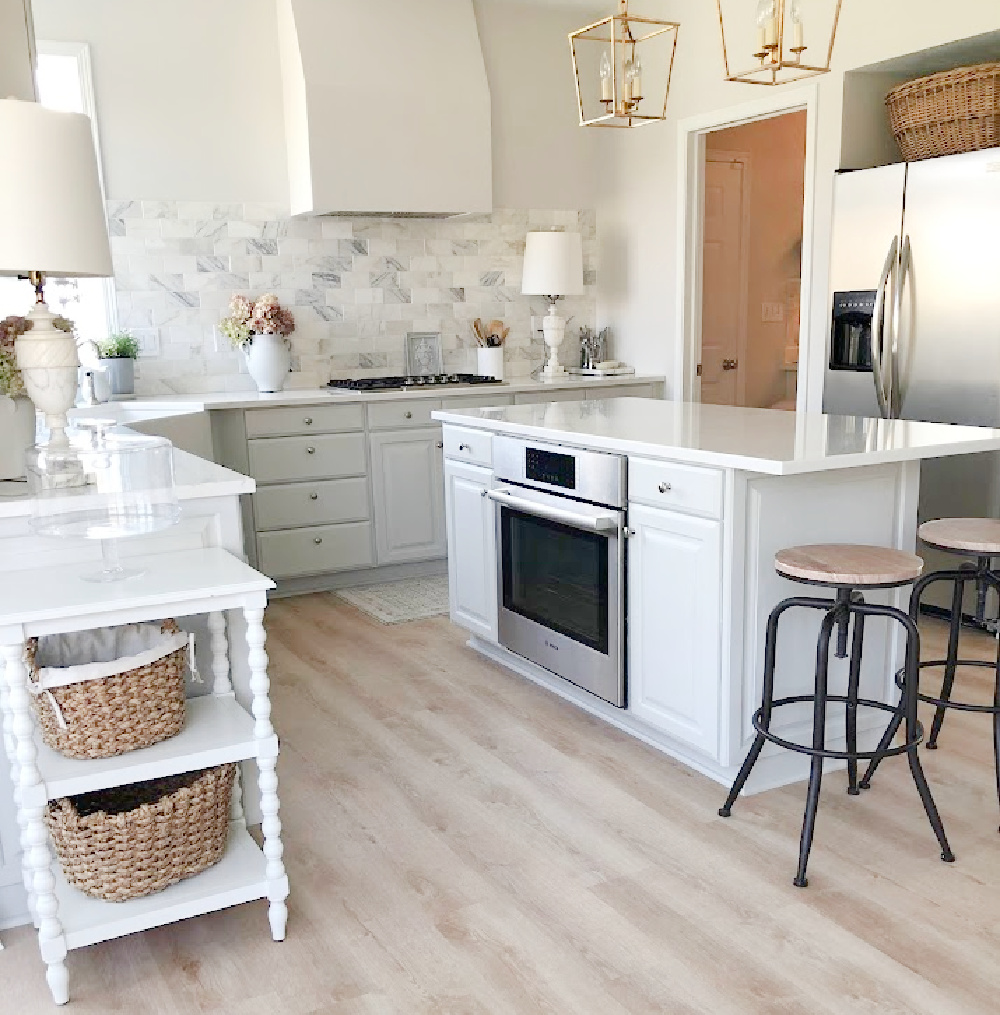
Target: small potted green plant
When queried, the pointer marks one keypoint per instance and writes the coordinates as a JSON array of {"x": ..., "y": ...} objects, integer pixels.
[{"x": 120, "y": 351}]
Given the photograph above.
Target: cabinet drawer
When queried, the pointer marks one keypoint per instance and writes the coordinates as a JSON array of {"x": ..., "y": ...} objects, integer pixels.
[
  {"x": 690, "y": 488},
  {"x": 477, "y": 401},
  {"x": 308, "y": 419},
  {"x": 325, "y": 456},
  {"x": 394, "y": 415},
  {"x": 295, "y": 504},
  {"x": 315, "y": 550},
  {"x": 556, "y": 395},
  {"x": 474, "y": 446},
  {"x": 621, "y": 391}
]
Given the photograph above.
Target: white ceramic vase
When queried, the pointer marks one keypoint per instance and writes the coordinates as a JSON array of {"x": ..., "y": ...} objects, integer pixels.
[
  {"x": 268, "y": 362},
  {"x": 17, "y": 434},
  {"x": 490, "y": 362}
]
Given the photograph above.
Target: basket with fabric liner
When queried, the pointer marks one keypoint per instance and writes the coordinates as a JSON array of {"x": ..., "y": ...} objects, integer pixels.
[
  {"x": 948, "y": 113},
  {"x": 101, "y": 693},
  {"x": 129, "y": 841}
]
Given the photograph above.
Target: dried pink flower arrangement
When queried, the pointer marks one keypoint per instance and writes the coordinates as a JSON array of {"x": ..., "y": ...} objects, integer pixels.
[{"x": 247, "y": 318}]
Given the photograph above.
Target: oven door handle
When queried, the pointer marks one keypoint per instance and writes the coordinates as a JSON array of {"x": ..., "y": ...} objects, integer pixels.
[{"x": 591, "y": 523}]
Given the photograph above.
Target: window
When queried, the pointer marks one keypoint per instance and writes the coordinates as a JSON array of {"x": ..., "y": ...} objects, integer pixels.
[{"x": 64, "y": 83}]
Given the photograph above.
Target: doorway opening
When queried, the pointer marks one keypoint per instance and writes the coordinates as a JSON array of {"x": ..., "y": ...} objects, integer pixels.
[
  {"x": 747, "y": 201},
  {"x": 752, "y": 262}
]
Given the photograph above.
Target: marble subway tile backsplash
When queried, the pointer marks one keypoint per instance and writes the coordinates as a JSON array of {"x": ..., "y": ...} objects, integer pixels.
[{"x": 355, "y": 285}]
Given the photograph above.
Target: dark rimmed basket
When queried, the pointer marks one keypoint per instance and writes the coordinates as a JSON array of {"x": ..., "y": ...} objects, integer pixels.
[
  {"x": 123, "y": 843},
  {"x": 117, "y": 714},
  {"x": 948, "y": 113}
]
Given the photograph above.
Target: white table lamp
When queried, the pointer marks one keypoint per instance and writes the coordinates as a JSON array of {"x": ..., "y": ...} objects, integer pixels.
[
  {"x": 52, "y": 222},
  {"x": 553, "y": 267}
]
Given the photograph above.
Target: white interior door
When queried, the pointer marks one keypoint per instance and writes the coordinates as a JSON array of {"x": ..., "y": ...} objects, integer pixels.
[{"x": 723, "y": 314}]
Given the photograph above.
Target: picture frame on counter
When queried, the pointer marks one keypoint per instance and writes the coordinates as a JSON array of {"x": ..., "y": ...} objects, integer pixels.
[{"x": 423, "y": 353}]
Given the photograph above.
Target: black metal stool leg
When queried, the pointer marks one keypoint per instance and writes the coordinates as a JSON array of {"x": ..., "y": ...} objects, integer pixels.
[
  {"x": 770, "y": 652},
  {"x": 910, "y": 690},
  {"x": 853, "y": 681},
  {"x": 950, "y": 665},
  {"x": 818, "y": 742}
]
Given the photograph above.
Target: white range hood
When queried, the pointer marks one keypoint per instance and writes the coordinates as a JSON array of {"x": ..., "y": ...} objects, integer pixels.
[{"x": 387, "y": 107}]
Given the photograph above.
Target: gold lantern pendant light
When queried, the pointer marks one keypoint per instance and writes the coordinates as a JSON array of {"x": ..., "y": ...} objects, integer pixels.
[
  {"x": 622, "y": 66},
  {"x": 777, "y": 39}
]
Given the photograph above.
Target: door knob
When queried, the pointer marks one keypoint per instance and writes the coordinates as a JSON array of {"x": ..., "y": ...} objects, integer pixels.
[
  {"x": 310, "y": 451},
  {"x": 440, "y": 444},
  {"x": 318, "y": 540},
  {"x": 730, "y": 364},
  {"x": 408, "y": 414},
  {"x": 314, "y": 496}
]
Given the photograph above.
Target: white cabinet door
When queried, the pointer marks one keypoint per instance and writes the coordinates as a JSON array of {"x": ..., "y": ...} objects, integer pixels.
[
  {"x": 674, "y": 613},
  {"x": 472, "y": 555},
  {"x": 408, "y": 494}
]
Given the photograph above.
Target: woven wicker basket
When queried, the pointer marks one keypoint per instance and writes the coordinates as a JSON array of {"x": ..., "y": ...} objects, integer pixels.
[
  {"x": 122, "y": 843},
  {"x": 116, "y": 714},
  {"x": 944, "y": 114}
]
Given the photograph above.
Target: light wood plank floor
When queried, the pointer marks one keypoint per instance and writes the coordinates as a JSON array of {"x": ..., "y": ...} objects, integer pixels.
[{"x": 460, "y": 841}]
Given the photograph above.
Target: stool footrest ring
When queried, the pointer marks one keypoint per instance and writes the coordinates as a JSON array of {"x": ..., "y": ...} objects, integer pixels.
[
  {"x": 959, "y": 706},
  {"x": 791, "y": 745}
]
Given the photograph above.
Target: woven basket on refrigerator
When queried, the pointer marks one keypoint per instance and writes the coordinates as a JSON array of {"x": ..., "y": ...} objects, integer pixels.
[
  {"x": 947, "y": 113},
  {"x": 112, "y": 715},
  {"x": 122, "y": 843}
]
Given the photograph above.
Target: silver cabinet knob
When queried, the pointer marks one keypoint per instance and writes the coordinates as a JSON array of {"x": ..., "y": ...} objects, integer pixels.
[
  {"x": 318, "y": 540},
  {"x": 440, "y": 444},
  {"x": 465, "y": 447},
  {"x": 310, "y": 451},
  {"x": 314, "y": 496},
  {"x": 408, "y": 414},
  {"x": 308, "y": 421},
  {"x": 482, "y": 493},
  {"x": 665, "y": 488}
]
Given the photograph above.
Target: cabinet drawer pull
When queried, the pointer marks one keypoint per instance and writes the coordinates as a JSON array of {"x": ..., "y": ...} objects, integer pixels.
[
  {"x": 465, "y": 447},
  {"x": 318, "y": 540},
  {"x": 310, "y": 451},
  {"x": 314, "y": 496},
  {"x": 308, "y": 421},
  {"x": 440, "y": 444},
  {"x": 665, "y": 488},
  {"x": 408, "y": 414},
  {"x": 482, "y": 493}
]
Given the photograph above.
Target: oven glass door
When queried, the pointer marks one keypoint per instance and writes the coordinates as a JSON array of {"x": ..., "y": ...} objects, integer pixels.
[
  {"x": 561, "y": 588},
  {"x": 556, "y": 576}
]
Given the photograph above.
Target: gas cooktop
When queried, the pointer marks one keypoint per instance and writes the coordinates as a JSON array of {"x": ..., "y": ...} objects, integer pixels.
[{"x": 416, "y": 381}]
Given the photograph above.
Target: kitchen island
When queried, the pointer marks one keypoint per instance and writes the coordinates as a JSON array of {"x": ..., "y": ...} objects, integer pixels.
[{"x": 712, "y": 493}]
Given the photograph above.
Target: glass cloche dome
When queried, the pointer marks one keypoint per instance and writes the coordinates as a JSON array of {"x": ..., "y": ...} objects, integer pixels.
[{"x": 105, "y": 482}]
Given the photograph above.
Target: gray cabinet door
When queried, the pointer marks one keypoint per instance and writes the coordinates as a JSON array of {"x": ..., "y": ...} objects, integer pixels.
[{"x": 408, "y": 495}]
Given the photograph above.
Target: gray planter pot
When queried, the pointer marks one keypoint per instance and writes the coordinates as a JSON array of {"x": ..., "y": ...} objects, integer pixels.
[{"x": 121, "y": 374}]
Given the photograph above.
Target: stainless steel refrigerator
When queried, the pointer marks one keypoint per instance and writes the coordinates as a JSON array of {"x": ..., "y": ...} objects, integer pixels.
[{"x": 915, "y": 321}]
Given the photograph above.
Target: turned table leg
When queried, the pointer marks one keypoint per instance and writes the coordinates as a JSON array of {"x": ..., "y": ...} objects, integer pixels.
[
  {"x": 38, "y": 859},
  {"x": 267, "y": 758}
]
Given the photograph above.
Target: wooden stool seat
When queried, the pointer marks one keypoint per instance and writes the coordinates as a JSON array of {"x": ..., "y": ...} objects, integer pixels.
[
  {"x": 848, "y": 564},
  {"x": 980, "y": 536}
]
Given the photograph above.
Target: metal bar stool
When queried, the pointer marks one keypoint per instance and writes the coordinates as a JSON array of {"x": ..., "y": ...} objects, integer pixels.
[
  {"x": 848, "y": 569},
  {"x": 971, "y": 537}
]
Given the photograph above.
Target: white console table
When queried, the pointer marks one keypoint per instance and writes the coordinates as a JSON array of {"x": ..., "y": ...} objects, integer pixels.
[{"x": 218, "y": 730}]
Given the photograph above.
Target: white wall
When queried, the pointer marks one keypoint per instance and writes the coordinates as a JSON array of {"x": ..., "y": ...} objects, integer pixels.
[
  {"x": 637, "y": 223},
  {"x": 15, "y": 63},
  {"x": 190, "y": 105},
  {"x": 188, "y": 95},
  {"x": 542, "y": 158}
]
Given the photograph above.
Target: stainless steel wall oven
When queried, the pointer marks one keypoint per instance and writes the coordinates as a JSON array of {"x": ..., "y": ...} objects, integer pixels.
[{"x": 560, "y": 517}]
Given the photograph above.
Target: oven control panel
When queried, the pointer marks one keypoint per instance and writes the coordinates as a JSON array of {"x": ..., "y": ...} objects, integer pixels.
[{"x": 550, "y": 467}]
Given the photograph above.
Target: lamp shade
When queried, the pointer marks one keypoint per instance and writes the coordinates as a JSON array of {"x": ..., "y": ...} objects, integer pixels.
[
  {"x": 553, "y": 265},
  {"x": 51, "y": 207}
]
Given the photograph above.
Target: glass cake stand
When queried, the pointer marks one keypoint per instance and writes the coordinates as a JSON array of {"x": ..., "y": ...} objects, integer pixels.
[{"x": 107, "y": 483}]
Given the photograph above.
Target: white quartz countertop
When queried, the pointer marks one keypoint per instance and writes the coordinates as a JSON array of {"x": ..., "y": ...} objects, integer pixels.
[
  {"x": 153, "y": 406},
  {"x": 767, "y": 441},
  {"x": 194, "y": 478}
]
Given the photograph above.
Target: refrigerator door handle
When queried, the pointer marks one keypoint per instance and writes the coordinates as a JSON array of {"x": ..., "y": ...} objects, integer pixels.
[
  {"x": 879, "y": 366},
  {"x": 898, "y": 340}
]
